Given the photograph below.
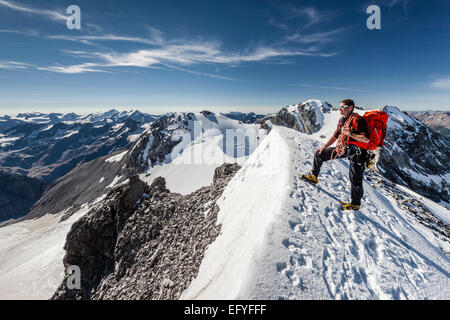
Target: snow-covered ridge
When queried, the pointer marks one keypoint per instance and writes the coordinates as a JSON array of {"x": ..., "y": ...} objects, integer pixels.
[
  {"x": 190, "y": 146},
  {"x": 290, "y": 241},
  {"x": 248, "y": 208}
]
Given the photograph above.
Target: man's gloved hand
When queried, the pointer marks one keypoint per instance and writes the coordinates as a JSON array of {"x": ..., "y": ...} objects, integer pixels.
[{"x": 320, "y": 150}]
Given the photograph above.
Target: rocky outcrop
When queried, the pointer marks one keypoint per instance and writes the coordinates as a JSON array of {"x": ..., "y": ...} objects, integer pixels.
[
  {"x": 143, "y": 242},
  {"x": 416, "y": 156},
  {"x": 157, "y": 142},
  {"x": 305, "y": 117}
]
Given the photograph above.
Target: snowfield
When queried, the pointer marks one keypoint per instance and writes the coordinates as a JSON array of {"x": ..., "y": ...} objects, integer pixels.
[
  {"x": 31, "y": 256},
  {"x": 282, "y": 238},
  {"x": 191, "y": 165}
]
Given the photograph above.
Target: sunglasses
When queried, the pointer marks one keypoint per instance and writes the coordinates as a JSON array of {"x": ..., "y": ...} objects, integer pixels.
[{"x": 344, "y": 107}]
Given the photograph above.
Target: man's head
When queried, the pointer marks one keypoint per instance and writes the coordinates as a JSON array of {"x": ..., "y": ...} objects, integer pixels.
[{"x": 346, "y": 107}]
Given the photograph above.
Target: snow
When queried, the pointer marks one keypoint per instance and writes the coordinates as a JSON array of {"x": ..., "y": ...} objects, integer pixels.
[
  {"x": 117, "y": 157},
  {"x": 316, "y": 104},
  {"x": 428, "y": 179},
  {"x": 436, "y": 209},
  {"x": 396, "y": 115},
  {"x": 115, "y": 183},
  {"x": 147, "y": 149},
  {"x": 118, "y": 126},
  {"x": 282, "y": 238},
  {"x": 133, "y": 137},
  {"x": 192, "y": 162},
  {"x": 4, "y": 142},
  {"x": 293, "y": 109},
  {"x": 31, "y": 256},
  {"x": 68, "y": 134},
  {"x": 245, "y": 224},
  {"x": 194, "y": 166}
]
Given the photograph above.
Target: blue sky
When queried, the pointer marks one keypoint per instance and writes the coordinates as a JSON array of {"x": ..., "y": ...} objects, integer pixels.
[{"x": 160, "y": 56}]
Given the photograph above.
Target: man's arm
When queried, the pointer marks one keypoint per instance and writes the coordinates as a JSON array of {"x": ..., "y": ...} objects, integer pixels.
[
  {"x": 357, "y": 137},
  {"x": 329, "y": 143}
]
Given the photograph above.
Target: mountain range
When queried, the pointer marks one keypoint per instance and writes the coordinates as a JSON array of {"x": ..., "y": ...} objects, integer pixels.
[
  {"x": 183, "y": 213},
  {"x": 438, "y": 121},
  {"x": 44, "y": 147}
]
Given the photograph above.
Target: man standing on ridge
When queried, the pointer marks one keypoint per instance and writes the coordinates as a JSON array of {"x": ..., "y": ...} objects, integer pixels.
[{"x": 351, "y": 128}]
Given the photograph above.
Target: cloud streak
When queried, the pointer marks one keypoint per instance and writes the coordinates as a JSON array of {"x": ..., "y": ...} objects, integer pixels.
[
  {"x": 312, "y": 14},
  {"x": 53, "y": 15},
  {"x": 443, "y": 83},
  {"x": 176, "y": 54},
  {"x": 13, "y": 65},
  {"x": 317, "y": 37}
]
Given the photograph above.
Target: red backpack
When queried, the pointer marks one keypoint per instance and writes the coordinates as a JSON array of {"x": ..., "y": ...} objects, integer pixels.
[{"x": 377, "y": 123}]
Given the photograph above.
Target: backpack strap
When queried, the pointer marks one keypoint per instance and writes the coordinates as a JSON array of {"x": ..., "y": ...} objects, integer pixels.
[{"x": 355, "y": 121}]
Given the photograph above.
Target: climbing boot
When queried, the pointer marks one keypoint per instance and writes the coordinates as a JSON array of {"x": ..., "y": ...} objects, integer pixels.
[
  {"x": 311, "y": 178},
  {"x": 349, "y": 206}
]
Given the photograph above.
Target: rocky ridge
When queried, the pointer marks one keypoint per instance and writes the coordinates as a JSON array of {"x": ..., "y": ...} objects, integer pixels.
[
  {"x": 143, "y": 242},
  {"x": 304, "y": 117}
]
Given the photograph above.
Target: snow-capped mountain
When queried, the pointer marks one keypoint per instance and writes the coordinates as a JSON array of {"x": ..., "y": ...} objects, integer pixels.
[
  {"x": 109, "y": 116},
  {"x": 416, "y": 157},
  {"x": 44, "y": 147},
  {"x": 166, "y": 219},
  {"x": 438, "y": 121},
  {"x": 184, "y": 148},
  {"x": 47, "y": 146},
  {"x": 250, "y": 117},
  {"x": 305, "y": 117}
]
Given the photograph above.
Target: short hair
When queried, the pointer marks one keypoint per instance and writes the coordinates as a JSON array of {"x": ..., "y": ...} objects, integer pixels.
[{"x": 348, "y": 102}]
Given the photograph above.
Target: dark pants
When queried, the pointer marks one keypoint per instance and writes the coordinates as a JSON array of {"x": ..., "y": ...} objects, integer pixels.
[{"x": 357, "y": 157}]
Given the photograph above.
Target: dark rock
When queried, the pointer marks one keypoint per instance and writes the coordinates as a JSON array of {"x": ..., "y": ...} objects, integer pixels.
[
  {"x": 143, "y": 242},
  {"x": 413, "y": 150},
  {"x": 18, "y": 194},
  {"x": 301, "y": 117}
]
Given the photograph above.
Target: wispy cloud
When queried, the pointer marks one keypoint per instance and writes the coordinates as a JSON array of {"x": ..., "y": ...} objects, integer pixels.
[
  {"x": 443, "y": 83},
  {"x": 90, "y": 39},
  {"x": 312, "y": 14},
  {"x": 73, "y": 69},
  {"x": 278, "y": 25},
  {"x": 316, "y": 37},
  {"x": 13, "y": 65},
  {"x": 29, "y": 32},
  {"x": 175, "y": 54},
  {"x": 51, "y": 14}
]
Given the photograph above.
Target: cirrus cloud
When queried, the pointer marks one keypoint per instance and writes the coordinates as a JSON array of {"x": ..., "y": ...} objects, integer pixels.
[{"x": 443, "y": 83}]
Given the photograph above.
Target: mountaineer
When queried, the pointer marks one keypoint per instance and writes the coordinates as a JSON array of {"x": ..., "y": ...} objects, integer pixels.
[{"x": 355, "y": 135}]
